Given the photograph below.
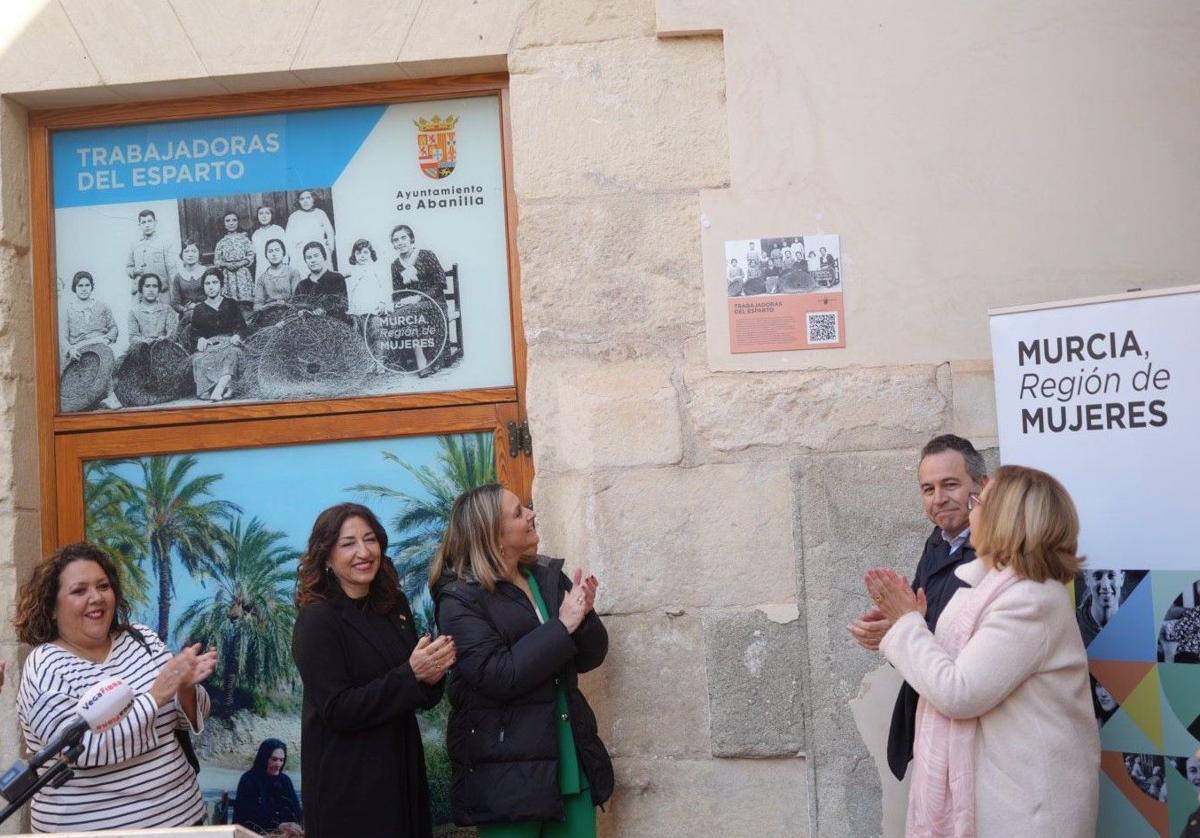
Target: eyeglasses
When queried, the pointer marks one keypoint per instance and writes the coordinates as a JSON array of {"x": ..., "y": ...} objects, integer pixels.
[{"x": 974, "y": 501}]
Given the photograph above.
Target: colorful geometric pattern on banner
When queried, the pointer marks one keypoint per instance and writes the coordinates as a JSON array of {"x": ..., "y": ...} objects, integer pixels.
[{"x": 1145, "y": 667}]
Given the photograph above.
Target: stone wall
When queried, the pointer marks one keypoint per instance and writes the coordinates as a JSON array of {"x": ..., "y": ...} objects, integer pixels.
[
  {"x": 970, "y": 155},
  {"x": 20, "y": 527}
]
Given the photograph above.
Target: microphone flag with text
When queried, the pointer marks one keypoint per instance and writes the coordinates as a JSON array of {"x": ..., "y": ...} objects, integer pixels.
[{"x": 100, "y": 708}]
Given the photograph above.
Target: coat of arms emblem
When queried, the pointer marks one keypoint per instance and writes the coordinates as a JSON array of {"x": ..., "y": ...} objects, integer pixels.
[{"x": 436, "y": 145}]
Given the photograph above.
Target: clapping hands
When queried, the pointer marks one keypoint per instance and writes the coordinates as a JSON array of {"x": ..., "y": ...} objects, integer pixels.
[
  {"x": 184, "y": 671},
  {"x": 431, "y": 659},
  {"x": 578, "y": 601},
  {"x": 893, "y": 595}
]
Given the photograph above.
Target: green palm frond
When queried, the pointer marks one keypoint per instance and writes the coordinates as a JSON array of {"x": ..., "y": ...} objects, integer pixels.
[
  {"x": 180, "y": 518},
  {"x": 107, "y": 497},
  {"x": 249, "y": 615},
  {"x": 464, "y": 461}
]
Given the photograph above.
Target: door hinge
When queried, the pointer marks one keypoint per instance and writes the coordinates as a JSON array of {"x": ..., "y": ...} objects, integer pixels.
[{"x": 519, "y": 439}]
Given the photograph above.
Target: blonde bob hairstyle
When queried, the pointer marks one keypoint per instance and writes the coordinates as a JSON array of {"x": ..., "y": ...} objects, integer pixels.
[
  {"x": 471, "y": 548},
  {"x": 1028, "y": 522}
]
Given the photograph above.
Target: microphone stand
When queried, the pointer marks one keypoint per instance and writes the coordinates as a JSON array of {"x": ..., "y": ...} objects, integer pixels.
[{"x": 58, "y": 773}]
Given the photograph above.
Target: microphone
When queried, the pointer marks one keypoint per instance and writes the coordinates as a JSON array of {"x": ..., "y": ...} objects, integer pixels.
[{"x": 100, "y": 708}]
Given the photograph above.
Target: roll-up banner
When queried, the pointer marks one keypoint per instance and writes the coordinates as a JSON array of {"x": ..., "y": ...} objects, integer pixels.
[{"x": 1104, "y": 394}]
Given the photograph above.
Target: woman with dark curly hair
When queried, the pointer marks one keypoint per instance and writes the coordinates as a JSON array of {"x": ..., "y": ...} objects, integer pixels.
[
  {"x": 365, "y": 674},
  {"x": 136, "y": 774}
]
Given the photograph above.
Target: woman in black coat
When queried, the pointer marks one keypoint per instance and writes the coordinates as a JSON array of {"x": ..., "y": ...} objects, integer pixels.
[
  {"x": 266, "y": 799},
  {"x": 365, "y": 675},
  {"x": 522, "y": 739}
]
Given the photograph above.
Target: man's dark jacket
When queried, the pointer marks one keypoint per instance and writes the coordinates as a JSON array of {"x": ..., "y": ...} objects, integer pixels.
[
  {"x": 935, "y": 573},
  {"x": 502, "y": 734}
]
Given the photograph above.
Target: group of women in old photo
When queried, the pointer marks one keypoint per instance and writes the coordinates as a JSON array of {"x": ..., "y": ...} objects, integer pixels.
[{"x": 210, "y": 310}]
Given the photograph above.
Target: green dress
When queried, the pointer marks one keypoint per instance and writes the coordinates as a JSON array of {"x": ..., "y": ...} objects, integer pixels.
[{"x": 572, "y": 781}]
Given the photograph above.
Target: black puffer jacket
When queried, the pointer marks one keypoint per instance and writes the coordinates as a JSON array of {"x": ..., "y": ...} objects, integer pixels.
[{"x": 501, "y": 735}]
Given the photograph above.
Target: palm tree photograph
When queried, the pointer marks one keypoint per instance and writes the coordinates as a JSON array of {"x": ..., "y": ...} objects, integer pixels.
[{"x": 208, "y": 544}]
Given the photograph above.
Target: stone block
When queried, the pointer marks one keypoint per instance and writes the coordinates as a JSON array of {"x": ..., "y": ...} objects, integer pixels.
[
  {"x": 134, "y": 42},
  {"x": 872, "y": 711},
  {"x": 991, "y": 458},
  {"x": 853, "y": 511},
  {"x": 602, "y": 411},
  {"x": 754, "y": 690},
  {"x": 16, "y": 311},
  {"x": 14, "y": 175},
  {"x": 353, "y": 74},
  {"x": 614, "y": 131},
  {"x": 638, "y": 275},
  {"x": 731, "y": 798},
  {"x": 19, "y": 474},
  {"x": 20, "y": 548},
  {"x": 42, "y": 50},
  {"x": 685, "y": 18},
  {"x": 718, "y": 535},
  {"x": 649, "y": 696},
  {"x": 453, "y": 30},
  {"x": 231, "y": 38},
  {"x": 974, "y": 396},
  {"x": 857, "y": 408},
  {"x": 171, "y": 88},
  {"x": 68, "y": 97},
  {"x": 581, "y": 21},
  {"x": 255, "y": 82},
  {"x": 11, "y": 741},
  {"x": 349, "y": 35}
]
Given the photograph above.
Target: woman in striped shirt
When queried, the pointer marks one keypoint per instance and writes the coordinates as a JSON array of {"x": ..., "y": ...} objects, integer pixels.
[{"x": 135, "y": 774}]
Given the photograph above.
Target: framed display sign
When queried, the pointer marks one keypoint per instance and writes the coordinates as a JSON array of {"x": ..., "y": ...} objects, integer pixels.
[
  {"x": 309, "y": 254},
  {"x": 250, "y": 308},
  {"x": 248, "y": 263}
]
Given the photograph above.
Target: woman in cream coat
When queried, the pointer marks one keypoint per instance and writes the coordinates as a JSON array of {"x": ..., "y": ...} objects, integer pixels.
[{"x": 1006, "y": 739}]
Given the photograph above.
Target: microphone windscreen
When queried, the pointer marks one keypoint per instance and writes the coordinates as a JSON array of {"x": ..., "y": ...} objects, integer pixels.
[{"x": 104, "y": 705}]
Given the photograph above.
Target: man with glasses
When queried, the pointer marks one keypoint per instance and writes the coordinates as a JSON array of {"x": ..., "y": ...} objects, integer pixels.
[{"x": 951, "y": 475}]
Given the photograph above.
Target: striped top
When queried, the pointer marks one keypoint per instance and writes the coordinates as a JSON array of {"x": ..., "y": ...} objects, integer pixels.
[{"x": 133, "y": 775}]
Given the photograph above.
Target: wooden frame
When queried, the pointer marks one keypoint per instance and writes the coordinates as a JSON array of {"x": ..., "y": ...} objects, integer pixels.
[
  {"x": 67, "y": 440},
  {"x": 73, "y": 451}
]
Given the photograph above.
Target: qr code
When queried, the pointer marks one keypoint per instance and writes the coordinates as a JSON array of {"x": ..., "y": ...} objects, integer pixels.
[{"x": 822, "y": 326}]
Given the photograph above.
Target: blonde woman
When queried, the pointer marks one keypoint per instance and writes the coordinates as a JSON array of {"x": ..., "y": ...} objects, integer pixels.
[
  {"x": 1006, "y": 740},
  {"x": 522, "y": 739}
]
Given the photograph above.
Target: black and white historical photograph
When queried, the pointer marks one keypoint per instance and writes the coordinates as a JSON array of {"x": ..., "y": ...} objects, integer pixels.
[
  {"x": 783, "y": 265},
  {"x": 1148, "y": 772},
  {"x": 1179, "y": 632},
  {"x": 1103, "y": 702},
  {"x": 1189, "y": 769},
  {"x": 1099, "y": 594},
  {"x": 257, "y": 310},
  {"x": 346, "y": 286}
]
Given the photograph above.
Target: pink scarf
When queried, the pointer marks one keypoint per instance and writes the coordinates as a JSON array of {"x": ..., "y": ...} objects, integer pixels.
[{"x": 941, "y": 801}]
